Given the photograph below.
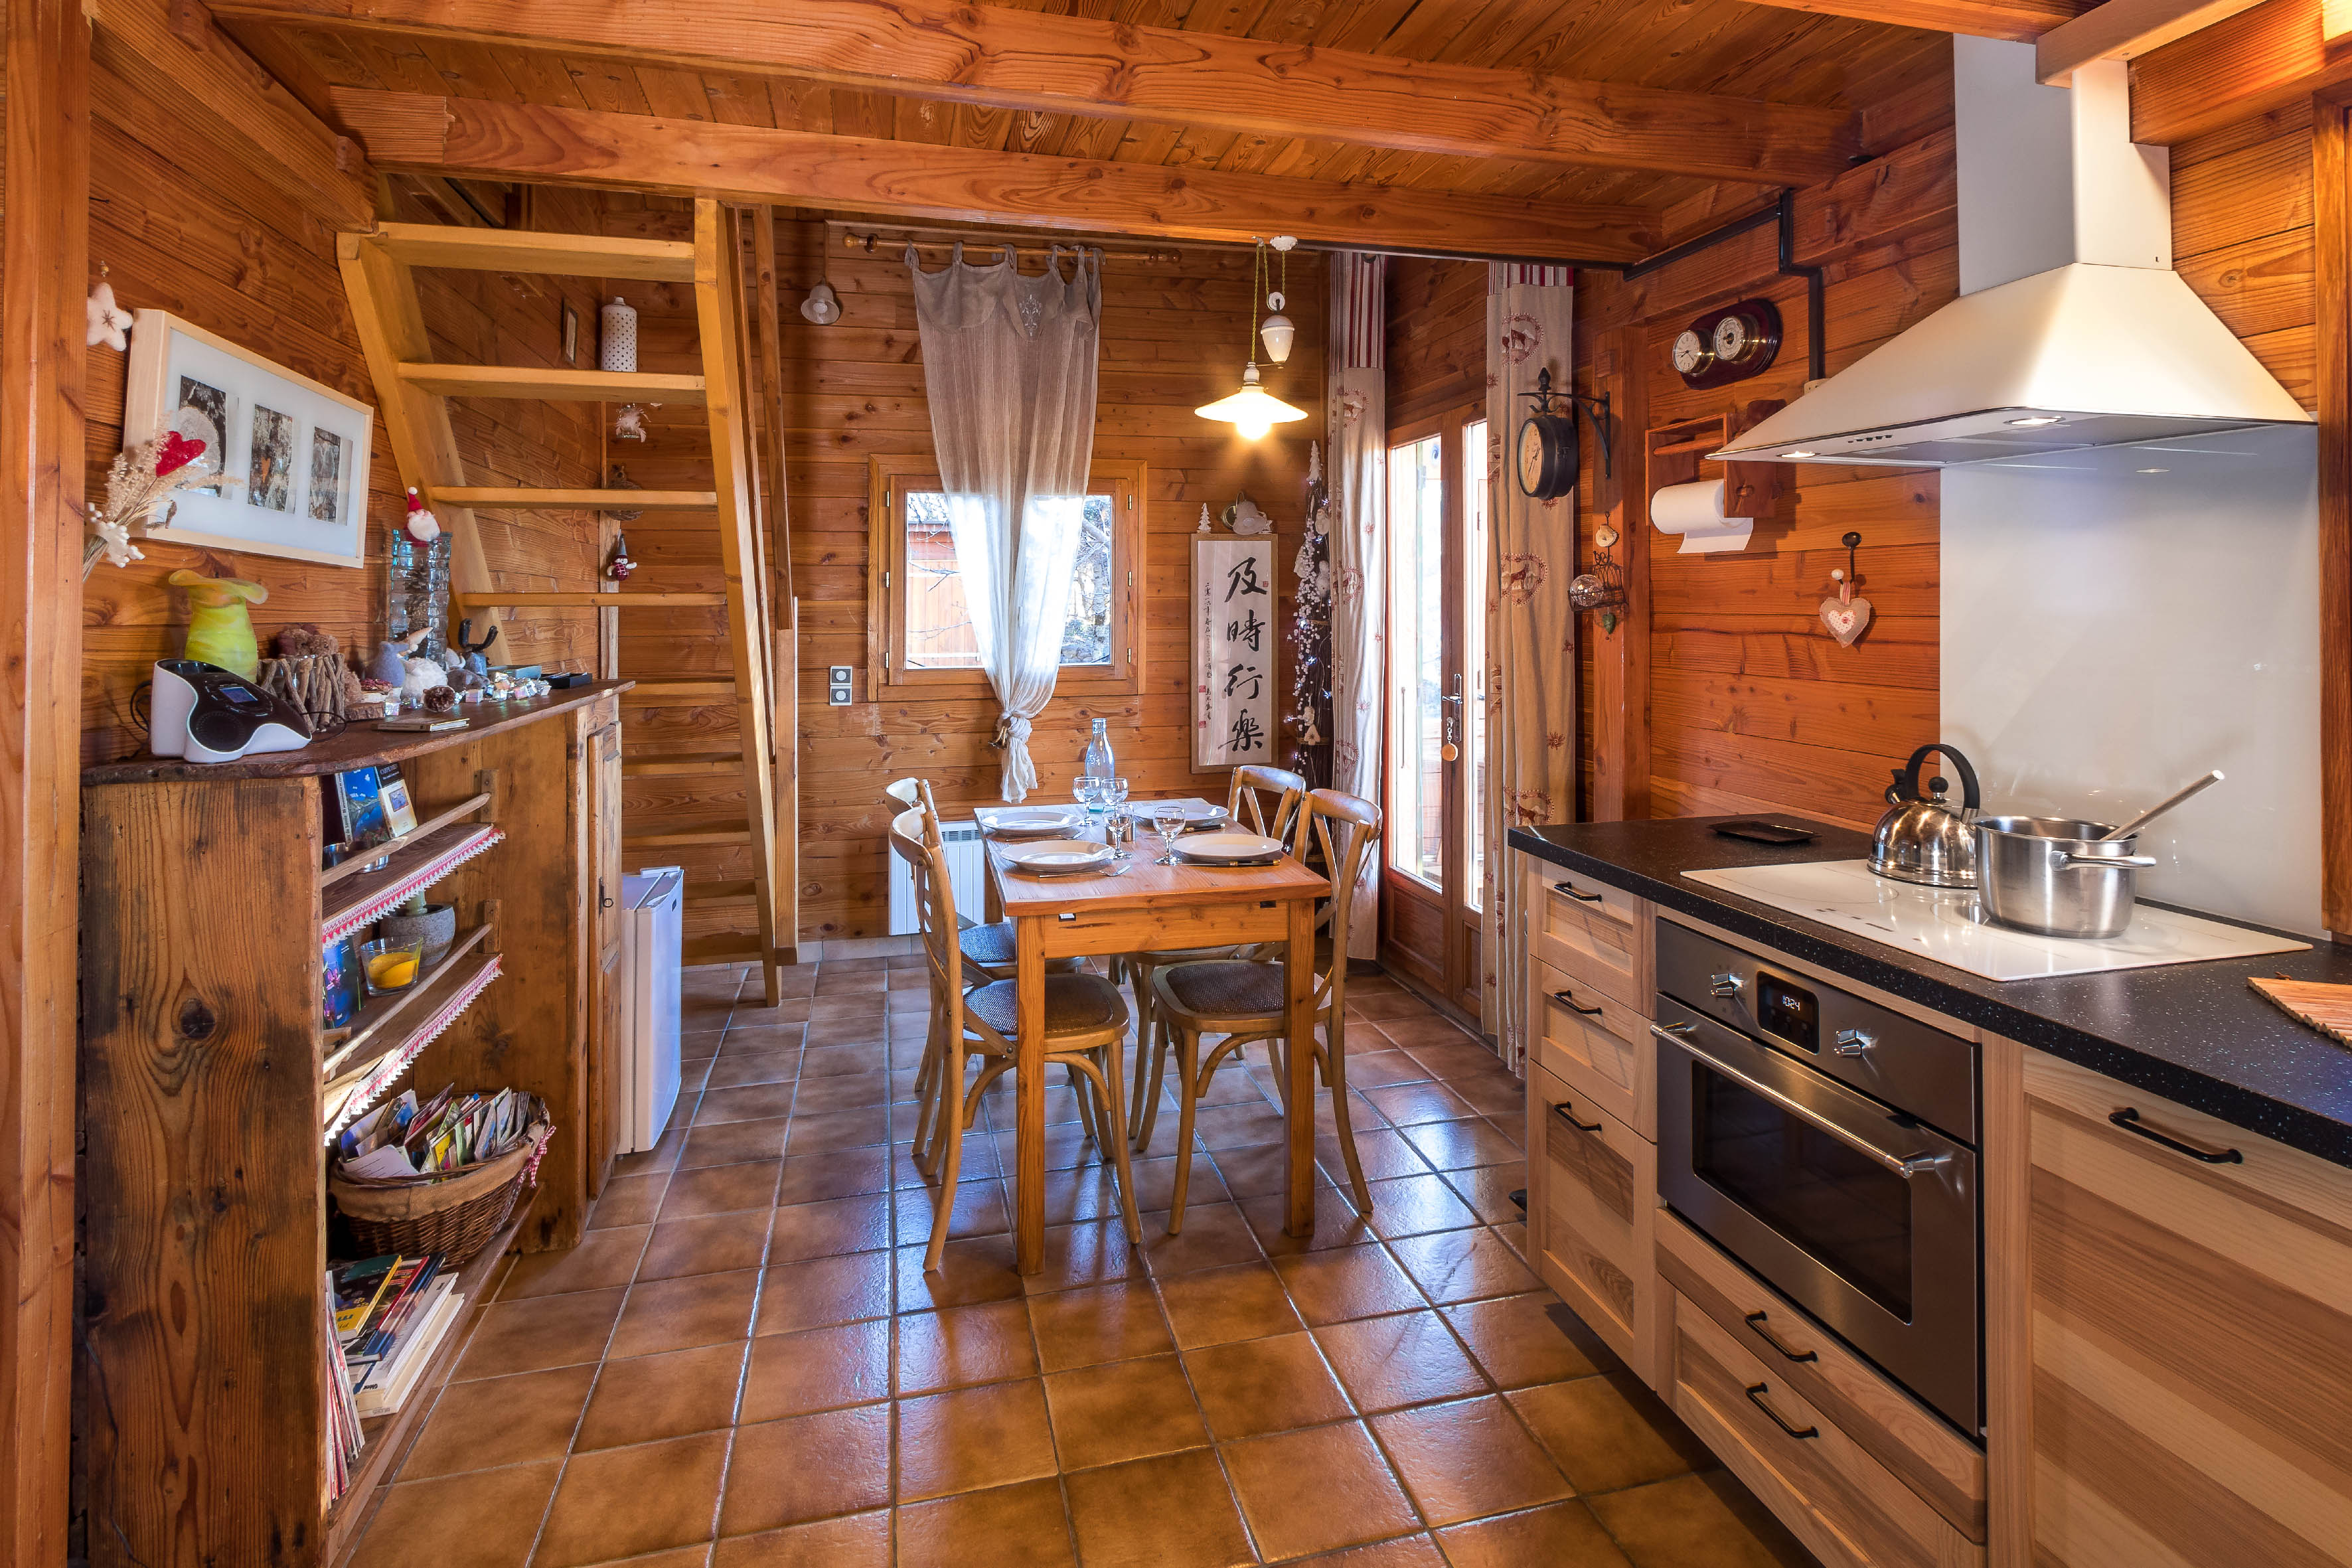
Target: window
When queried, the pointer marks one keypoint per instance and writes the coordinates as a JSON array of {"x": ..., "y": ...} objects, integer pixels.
[
  {"x": 1416, "y": 636},
  {"x": 920, "y": 625}
]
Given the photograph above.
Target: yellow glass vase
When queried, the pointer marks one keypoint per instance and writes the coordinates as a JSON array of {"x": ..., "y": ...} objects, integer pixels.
[{"x": 220, "y": 630}]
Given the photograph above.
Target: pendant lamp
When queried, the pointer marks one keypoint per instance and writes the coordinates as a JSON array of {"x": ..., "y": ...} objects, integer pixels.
[{"x": 1252, "y": 410}]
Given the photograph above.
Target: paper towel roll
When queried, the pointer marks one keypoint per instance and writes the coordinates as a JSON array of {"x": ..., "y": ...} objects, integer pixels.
[{"x": 1695, "y": 511}]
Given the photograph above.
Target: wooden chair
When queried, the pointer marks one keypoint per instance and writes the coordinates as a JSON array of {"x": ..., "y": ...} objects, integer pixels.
[
  {"x": 989, "y": 955},
  {"x": 1085, "y": 1034},
  {"x": 1243, "y": 1000},
  {"x": 1247, "y": 805}
]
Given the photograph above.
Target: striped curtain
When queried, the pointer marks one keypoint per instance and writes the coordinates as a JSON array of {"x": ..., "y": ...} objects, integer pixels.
[
  {"x": 1530, "y": 685},
  {"x": 1358, "y": 421}
]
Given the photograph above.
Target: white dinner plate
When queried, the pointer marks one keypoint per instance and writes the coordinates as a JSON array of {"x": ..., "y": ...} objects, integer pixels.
[
  {"x": 1031, "y": 823},
  {"x": 1229, "y": 849},
  {"x": 1192, "y": 815},
  {"x": 1059, "y": 857}
]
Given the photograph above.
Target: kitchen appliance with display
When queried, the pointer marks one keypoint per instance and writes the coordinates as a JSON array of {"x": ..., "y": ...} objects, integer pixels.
[
  {"x": 1830, "y": 1145},
  {"x": 206, "y": 714}
]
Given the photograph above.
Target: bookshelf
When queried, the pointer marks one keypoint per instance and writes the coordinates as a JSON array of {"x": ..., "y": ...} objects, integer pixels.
[{"x": 210, "y": 1093}]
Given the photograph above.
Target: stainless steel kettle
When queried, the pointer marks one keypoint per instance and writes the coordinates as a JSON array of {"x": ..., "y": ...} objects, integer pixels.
[{"x": 1921, "y": 838}]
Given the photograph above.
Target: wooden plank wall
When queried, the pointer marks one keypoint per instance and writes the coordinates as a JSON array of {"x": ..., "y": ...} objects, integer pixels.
[
  {"x": 193, "y": 235},
  {"x": 1752, "y": 704},
  {"x": 2241, "y": 211},
  {"x": 1436, "y": 338},
  {"x": 1171, "y": 339}
]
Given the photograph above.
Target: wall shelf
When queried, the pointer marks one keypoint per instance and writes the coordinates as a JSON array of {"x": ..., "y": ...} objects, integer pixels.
[
  {"x": 418, "y": 861},
  {"x": 388, "y": 1034},
  {"x": 210, "y": 1104}
]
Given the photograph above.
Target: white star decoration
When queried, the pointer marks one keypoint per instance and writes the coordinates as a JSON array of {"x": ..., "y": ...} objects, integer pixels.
[{"x": 108, "y": 322}]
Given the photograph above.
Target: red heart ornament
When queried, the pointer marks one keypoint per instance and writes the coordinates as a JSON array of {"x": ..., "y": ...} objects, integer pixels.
[{"x": 178, "y": 453}]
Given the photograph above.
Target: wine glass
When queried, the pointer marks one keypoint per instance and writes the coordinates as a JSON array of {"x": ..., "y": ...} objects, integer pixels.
[
  {"x": 1088, "y": 789},
  {"x": 1168, "y": 821},
  {"x": 1114, "y": 793}
]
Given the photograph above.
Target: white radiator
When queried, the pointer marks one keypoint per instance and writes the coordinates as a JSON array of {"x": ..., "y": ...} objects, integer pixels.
[{"x": 966, "y": 871}]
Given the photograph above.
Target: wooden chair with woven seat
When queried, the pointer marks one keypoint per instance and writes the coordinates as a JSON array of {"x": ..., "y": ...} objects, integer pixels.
[
  {"x": 1085, "y": 1034},
  {"x": 989, "y": 952},
  {"x": 1246, "y": 807},
  {"x": 1242, "y": 999}
]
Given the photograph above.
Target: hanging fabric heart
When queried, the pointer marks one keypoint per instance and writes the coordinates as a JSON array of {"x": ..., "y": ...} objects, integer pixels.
[{"x": 1846, "y": 622}]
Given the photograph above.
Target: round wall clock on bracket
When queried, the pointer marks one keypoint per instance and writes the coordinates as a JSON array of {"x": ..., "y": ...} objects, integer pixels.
[
  {"x": 1546, "y": 455},
  {"x": 1727, "y": 345}
]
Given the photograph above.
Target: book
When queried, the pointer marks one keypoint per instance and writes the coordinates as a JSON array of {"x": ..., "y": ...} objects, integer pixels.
[
  {"x": 359, "y": 1289},
  {"x": 338, "y": 982},
  {"x": 397, "y": 1377},
  {"x": 426, "y": 723},
  {"x": 342, "y": 1428},
  {"x": 358, "y": 797},
  {"x": 399, "y": 811}
]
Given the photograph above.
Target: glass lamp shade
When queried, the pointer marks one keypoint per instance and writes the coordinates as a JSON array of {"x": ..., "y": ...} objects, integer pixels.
[
  {"x": 1253, "y": 410},
  {"x": 1277, "y": 331},
  {"x": 823, "y": 305}
]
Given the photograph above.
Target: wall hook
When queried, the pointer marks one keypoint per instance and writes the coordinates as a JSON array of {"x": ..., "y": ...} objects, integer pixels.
[{"x": 1845, "y": 615}]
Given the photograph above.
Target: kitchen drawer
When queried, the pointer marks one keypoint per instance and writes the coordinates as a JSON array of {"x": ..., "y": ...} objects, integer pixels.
[
  {"x": 1825, "y": 1487},
  {"x": 1598, "y": 934},
  {"x": 1600, "y": 1046},
  {"x": 1918, "y": 1446},
  {"x": 1591, "y": 1202}
]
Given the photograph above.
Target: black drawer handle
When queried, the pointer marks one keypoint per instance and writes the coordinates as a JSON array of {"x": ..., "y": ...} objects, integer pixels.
[
  {"x": 1569, "y": 1002},
  {"x": 1570, "y": 888},
  {"x": 2129, "y": 1120},
  {"x": 1756, "y": 1397},
  {"x": 1563, "y": 1111},
  {"x": 1755, "y": 1321}
]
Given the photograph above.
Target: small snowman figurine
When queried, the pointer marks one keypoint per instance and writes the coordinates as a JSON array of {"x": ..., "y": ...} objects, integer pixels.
[{"x": 619, "y": 567}]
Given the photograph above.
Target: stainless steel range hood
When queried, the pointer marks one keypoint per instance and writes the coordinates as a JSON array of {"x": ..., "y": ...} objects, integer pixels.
[{"x": 2072, "y": 330}]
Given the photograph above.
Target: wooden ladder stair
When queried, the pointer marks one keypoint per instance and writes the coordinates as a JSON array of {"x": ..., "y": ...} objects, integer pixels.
[{"x": 414, "y": 388}]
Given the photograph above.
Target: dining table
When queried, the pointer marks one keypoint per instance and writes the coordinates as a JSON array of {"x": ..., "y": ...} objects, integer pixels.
[{"x": 1140, "y": 905}]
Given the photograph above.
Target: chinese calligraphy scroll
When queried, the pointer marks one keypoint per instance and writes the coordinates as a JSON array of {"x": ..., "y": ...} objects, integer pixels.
[{"x": 1234, "y": 643}]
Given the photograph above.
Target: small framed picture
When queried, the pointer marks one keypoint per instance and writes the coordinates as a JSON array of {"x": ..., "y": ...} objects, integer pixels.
[
  {"x": 570, "y": 334},
  {"x": 289, "y": 455}
]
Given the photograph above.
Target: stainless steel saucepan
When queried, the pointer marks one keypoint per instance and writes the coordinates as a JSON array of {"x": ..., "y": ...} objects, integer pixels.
[{"x": 2055, "y": 877}]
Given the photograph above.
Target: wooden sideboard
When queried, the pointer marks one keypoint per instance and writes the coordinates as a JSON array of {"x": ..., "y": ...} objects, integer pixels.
[
  {"x": 2168, "y": 1336},
  {"x": 205, "y": 1104}
]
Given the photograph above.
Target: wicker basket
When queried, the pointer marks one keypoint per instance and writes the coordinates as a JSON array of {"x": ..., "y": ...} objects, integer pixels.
[{"x": 453, "y": 1215}]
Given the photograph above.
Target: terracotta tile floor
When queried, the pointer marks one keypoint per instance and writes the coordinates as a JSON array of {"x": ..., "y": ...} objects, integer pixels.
[{"x": 745, "y": 1363}]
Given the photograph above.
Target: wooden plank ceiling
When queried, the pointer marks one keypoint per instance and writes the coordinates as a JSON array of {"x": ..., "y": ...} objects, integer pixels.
[{"x": 329, "y": 51}]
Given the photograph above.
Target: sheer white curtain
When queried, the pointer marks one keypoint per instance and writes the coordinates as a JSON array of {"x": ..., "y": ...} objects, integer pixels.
[
  {"x": 1009, "y": 370},
  {"x": 1359, "y": 421}
]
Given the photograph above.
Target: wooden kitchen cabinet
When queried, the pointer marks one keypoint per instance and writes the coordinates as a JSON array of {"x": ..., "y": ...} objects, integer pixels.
[
  {"x": 2170, "y": 1383},
  {"x": 1593, "y": 1197}
]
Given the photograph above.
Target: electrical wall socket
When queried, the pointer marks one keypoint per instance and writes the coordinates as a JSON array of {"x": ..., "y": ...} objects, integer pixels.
[
  {"x": 837, "y": 696},
  {"x": 837, "y": 675}
]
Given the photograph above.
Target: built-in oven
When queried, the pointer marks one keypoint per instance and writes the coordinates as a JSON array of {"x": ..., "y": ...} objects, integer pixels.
[{"x": 1829, "y": 1144}]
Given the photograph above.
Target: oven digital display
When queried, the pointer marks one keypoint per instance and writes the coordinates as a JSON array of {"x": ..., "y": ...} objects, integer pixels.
[{"x": 1788, "y": 1012}]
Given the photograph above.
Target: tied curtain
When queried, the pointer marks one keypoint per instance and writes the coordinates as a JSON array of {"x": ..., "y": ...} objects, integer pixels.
[
  {"x": 1530, "y": 679},
  {"x": 1357, "y": 419},
  {"x": 1009, "y": 370}
]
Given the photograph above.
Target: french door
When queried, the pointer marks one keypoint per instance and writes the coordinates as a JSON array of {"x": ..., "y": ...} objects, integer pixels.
[{"x": 1435, "y": 747}]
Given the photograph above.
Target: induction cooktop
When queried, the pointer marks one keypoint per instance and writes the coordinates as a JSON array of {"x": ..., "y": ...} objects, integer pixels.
[{"x": 1943, "y": 924}]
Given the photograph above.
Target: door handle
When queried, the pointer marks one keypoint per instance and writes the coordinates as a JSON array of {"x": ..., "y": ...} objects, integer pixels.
[
  {"x": 1570, "y": 888},
  {"x": 1904, "y": 1165},
  {"x": 1756, "y": 1397},
  {"x": 2129, "y": 1120},
  {"x": 1563, "y": 1111},
  {"x": 1569, "y": 1002},
  {"x": 1755, "y": 1321}
]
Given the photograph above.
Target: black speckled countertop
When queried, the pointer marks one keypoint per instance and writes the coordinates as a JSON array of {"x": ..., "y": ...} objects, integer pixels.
[{"x": 2195, "y": 1033}]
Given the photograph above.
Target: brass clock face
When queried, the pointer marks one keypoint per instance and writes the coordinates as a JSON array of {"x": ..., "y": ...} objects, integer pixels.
[
  {"x": 1691, "y": 352},
  {"x": 1734, "y": 336},
  {"x": 1546, "y": 455}
]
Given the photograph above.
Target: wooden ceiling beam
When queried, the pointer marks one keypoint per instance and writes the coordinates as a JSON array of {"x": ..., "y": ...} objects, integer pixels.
[
  {"x": 757, "y": 163},
  {"x": 172, "y": 51},
  {"x": 2019, "y": 20},
  {"x": 2253, "y": 62},
  {"x": 1030, "y": 60},
  {"x": 2124, "y": 31}
]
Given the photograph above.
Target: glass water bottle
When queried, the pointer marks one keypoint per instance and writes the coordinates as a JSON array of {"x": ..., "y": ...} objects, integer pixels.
[{"x": 1100, "y": 763}]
